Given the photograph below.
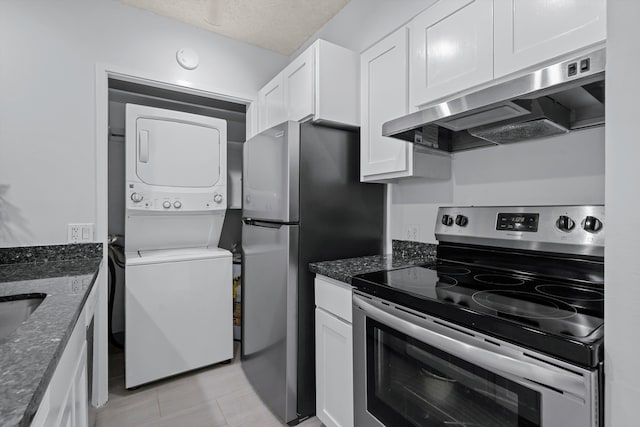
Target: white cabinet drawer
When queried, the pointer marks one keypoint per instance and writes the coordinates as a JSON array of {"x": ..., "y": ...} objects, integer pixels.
[{"x": 334, "y": 297}]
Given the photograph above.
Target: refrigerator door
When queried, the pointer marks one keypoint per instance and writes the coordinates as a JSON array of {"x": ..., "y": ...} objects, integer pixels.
[
  {"x": 271, "y": 174},
  {"x": 269, "y": 313}
]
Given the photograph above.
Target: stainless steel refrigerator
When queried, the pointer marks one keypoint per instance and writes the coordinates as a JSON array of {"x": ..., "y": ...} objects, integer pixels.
[{"x": 302, "y": 202}]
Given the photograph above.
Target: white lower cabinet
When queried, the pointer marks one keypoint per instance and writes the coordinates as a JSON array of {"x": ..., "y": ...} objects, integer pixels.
[
  {"x": 334, "y": 354},
  {"x": 65, "y": 402}
]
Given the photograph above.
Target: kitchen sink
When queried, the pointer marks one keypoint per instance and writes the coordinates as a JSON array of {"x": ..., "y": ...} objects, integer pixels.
[{"x": 15, "y": 309}]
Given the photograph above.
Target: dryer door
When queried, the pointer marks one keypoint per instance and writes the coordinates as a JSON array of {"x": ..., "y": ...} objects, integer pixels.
[{"x": 175, "y": 149}]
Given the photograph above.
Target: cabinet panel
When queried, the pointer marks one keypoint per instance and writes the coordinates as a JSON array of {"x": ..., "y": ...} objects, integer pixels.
[
  {"x": 336, "y": 84},
  {"x": 452, "y": 49},
  {"x": 80, "y": 392},
  {"x": 320, "y": 84},
  {"x": 65, "y": 402},
  {"x": 334, "y": 370},
  {"x": 298, "y": 86},
  {"x": 534, "y": 31},
  {"x": 271, "y": 108},
  {"x": 384, "y": 80}
]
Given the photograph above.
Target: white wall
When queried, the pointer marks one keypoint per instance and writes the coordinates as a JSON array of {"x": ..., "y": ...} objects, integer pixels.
[
  {"x": 361, "y": 23},
  {"x": 49, "y": 51},
  {"x": 622, "y": 276},
  {"x": 564, "y": 170}
]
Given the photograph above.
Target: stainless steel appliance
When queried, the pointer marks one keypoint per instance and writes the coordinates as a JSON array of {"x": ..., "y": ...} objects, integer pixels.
[
  {"x": 554, "y": 100},
  {"x": 504, "y": 329},
  {"x": 302, "y": 202}
]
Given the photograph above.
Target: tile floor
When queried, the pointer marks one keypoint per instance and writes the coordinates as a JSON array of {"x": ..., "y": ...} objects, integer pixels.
[{"x": 220, "y": 396}]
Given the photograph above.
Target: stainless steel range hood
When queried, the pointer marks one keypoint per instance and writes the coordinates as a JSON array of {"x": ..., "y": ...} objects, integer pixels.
[{"x": 551, "y": 101}]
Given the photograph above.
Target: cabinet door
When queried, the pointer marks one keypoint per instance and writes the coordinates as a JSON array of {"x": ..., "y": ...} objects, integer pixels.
[
  {"x": 534, "y": 31},
  {"x": 384, "y": 91},
  {"x": 451, "y": 49},
  {"x": 298, "y": 87},
  {"x": 80, "y": 392},
  {"x": 334, "y": 371},
  {"x": 271, "y": 109}
]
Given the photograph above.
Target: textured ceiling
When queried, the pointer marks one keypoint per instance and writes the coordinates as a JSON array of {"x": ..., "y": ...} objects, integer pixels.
[{"x": 278, "y": 25}]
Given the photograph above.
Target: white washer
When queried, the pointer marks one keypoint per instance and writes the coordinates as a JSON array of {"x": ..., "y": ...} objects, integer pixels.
[{"x": 178, "y": 284}]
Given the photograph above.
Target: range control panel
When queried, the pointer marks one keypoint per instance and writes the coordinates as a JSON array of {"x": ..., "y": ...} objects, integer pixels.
[
  {"x": 563, "y": 229},
  {"x": 527, "y": 222}
]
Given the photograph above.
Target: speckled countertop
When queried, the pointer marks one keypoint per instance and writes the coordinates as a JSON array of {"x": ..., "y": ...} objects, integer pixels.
[
  {"x": 30, "y": 354},
  {"x": 404, "y": 253}
]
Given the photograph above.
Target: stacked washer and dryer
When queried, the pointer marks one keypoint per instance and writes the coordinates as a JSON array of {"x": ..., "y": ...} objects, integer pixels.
[{"x": 178, "y": 288}]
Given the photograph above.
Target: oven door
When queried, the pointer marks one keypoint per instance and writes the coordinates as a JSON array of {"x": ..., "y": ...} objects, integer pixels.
[{"x": 413, "y": 370}]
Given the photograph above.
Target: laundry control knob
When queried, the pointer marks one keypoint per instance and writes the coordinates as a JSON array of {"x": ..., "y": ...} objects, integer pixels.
[
  {"x": 462, "y": 220},
  {"x": 447, "y": 220},
  {"x": 217, "y": 198},
  {"x": 136, "y": 197},
  {"x": 166, "y": 204},
  {"x": 592, "y": 224},
  {"x": 565, "y": 223},
  {"x": 177, "y": 204}
]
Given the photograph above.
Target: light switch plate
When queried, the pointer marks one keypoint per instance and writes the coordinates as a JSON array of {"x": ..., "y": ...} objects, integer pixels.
[{"x": 80, "y": 233}]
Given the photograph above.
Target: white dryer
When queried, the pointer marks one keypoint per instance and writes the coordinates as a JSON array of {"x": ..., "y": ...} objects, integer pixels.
[{"x": 178, "y": 283}]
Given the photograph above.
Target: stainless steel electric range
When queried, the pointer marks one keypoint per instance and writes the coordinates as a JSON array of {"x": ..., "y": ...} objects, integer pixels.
[{"x": 505, "y": 329}]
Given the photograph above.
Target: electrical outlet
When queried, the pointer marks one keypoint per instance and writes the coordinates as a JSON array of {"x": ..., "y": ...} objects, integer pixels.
[
  {"x": 78, "y": 285},
  {"x": 411, "y": 232},
  {"x": 80, "y": 233}
]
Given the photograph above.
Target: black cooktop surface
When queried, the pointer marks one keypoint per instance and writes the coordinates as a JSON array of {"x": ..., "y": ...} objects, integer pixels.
[{"x": 559, "y": 317}]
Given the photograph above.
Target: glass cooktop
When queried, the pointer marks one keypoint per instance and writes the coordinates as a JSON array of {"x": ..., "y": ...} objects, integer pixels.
[{"x": 528, "y": 310}]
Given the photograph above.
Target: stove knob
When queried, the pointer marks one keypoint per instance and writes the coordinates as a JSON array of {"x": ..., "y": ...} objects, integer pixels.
[
  {"x": 177, "y": 204},
  {"x": 217, "y": 198},
  {"x": 166, "y": 204},
  {"x": 447, "y": 220},
  {"x": 462, "y": 220},
  {"x": 565, "y": 223},
  {"x": 136, "y": 197},
  {"x": 592, "y": 224}
]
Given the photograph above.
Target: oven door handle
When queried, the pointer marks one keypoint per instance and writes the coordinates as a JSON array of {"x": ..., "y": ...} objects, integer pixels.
[{"x": 556, "y": 378}]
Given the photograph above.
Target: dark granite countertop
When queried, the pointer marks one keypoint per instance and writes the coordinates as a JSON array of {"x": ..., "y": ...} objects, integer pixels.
[
  {"x": 404, "y": 254},
  {"x": 30, "y": 354}
]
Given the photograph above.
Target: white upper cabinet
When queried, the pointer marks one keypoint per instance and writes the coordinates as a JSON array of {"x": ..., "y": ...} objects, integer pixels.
[
  {"x": 298, "y": 87},
  {"x": 384, "y": 93},
  {"x": 321, "y": 84},
  {"x": 271, "y": 109},
  {"x": 451, "y": 49},
  {"x": 534, "y": 31}
]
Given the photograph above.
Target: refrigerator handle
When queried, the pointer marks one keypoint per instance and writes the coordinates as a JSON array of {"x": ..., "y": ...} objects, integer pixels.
[{"x": 265, "y": 224}]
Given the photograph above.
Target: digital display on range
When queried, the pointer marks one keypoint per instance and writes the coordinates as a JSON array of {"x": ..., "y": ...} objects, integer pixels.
[{"x": 517, "y": 222}]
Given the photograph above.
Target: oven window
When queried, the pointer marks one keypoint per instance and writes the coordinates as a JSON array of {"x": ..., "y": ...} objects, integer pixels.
[{"x": 410, "y": 383}]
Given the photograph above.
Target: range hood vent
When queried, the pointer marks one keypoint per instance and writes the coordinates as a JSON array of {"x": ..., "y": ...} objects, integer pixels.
[{"x": 552, "y": 101}]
